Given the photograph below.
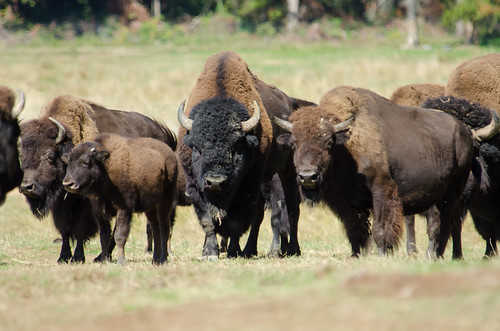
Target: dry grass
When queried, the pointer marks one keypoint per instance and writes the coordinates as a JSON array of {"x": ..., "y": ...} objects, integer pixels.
[{"x": 322, "y": 289}]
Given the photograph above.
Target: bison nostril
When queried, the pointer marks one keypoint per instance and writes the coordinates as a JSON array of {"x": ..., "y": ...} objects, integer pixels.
[
  {"x": 215, "y": 182},
  {"x": 309, "y": 178}
]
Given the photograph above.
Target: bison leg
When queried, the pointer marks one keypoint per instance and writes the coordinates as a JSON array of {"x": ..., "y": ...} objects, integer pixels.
[
  {"x": 223, "y": 244},
  {"x": 122, "y": 231},
  {"x": 456, "y": 235},
  {"x": 155, "y": 229},
  {"x": 149, "y": 235},
  {"x": 65, "y": 255},
  {"x": 105, "y": 239},
  {"x": 79, "y": 253},
  {"x": 433, "y": 220},
  {"x": 251, "y": 245},
  {"x": 292, "y": 201},
  {"x": 164, "y": 212},
  {"x": 487, "y": 232},
  {"x": 210, "y": 246},
  {"x": 411, "y": 245},
  {"x": 387, "y": 218}
]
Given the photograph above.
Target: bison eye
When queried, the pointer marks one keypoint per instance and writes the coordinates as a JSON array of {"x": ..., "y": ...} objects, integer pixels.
[
  {"x": 86, "y": 164},
  {"x": 329, "y": 143}
]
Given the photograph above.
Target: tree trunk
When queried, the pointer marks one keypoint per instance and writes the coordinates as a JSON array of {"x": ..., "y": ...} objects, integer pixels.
[
  {"x": 411, "y": 18},
  {"x": 464, "y": 30},
  {"x": 385, "y": 10},
  {"x": 293, "y": 15},
  {"x": 156, "y": 8}
]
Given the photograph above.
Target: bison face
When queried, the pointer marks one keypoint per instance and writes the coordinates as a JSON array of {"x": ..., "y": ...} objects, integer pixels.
[
  {"x": 314, "y": 134},
  {"x": 222, "y": 152},
  {"x": 43, "y": 147},
  {"x": 84, "y": 168}
]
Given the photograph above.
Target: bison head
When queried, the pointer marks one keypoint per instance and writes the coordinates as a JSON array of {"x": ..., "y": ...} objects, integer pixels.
[
  {"x": 313, "y": 135},
  {"x": 44, "y": 146},
  {"x": 84, "y": 167},
  {"x": 223, "y": 144},
  {"x": 10, "y": 170}
]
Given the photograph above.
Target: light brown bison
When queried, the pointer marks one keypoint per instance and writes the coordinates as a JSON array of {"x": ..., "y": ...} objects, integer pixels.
[
  {"x": 414, "y": 95},
  {"x": 228, "y": 150},
  {"x": 45, "y": 145},
  {"x": 10, "y": 169},
  {"x": 359, "y": 152},
  {"x": 132, "y": 175}
]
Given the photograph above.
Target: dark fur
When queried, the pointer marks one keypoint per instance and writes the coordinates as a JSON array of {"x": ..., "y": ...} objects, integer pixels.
[
  {"x": 10, "y": 169},
  {"x": 392, "y": 160},
  {"x": 222, "y": 98},
  {"x": 483, "y": 189},
  {"x": 43, "y": 163},
  {"x": 132, "y": 175}
]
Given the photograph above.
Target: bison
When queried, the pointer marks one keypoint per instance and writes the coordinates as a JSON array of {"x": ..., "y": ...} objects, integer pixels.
[
  {"x": 414, "y": 95},
  {"x": 10, "y": 169},
  {"x": 360, "y": 152},
  {"x": 45, "y": 145},
  {"x": 228, "y": 150},
  {"x": 483, "y": 205},
  {"x": 132, "y": 175}
]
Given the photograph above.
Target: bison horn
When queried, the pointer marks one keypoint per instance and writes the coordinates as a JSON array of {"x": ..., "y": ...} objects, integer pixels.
[
  {"x": 252, "y": 122},
  {"x": 342, "y": 125},
  {"x": 185, "y": 121},
  {"x": 489, "y": 130},
  {"x": 19, "y": 106},
  {"x": 285, "y": 125},
  {"x": 62, "y": 131}
]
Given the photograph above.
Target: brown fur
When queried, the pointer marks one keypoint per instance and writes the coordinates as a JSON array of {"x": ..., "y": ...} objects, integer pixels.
[
  {"x": 7, "y": 100},
  {"x": 415, "y": 95},
  {"x": 240, "y": 84},
  {"x": 477, "y": 80},
  {"x": 75, "y": 113}
]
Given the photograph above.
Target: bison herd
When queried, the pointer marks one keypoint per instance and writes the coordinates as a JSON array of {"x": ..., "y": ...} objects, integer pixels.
[{"x": 244, "y": 145}]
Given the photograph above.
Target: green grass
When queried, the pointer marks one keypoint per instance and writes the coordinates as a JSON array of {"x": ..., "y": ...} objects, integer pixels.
[{"x": 322, "y": 289}]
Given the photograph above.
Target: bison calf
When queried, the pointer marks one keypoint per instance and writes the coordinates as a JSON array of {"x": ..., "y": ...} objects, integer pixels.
[{"x": 134, "y": 175}]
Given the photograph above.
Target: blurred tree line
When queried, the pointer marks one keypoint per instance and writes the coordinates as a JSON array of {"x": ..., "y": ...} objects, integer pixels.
[{"x": 477, "y": 21}]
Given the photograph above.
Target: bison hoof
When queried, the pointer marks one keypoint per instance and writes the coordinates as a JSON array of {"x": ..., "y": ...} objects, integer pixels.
[
  {"x": 121, "y": 261},
  {"x": 210, "y": 258},
  {"x": 64, "y": 259}
]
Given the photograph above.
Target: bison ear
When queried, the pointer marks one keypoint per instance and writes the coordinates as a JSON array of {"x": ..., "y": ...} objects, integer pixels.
[
  {"x": 65, "y": 150},
  {"x": 102, "y": 156},
  {"x": 188, "y": 141},
  {"x": 285, "y": 140},
  {"x": 252, "y": 141},
  {"x": 342, "y": 136}
]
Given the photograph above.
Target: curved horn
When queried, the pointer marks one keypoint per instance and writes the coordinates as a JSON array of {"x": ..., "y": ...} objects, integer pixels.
[
  {"x": 285, "y": 125},
  {"x": 62, "y": 131},
  {"x": 185, "y": 121},
  {"x": 252, "y": 122},
  {"x": 489, "y": 130},
  {"x": 18, "y": 108},
  {"x": 343, "y": 125}
]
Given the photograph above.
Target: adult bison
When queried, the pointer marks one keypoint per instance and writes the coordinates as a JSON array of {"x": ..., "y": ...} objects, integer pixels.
[
  {"x": 483, "y": 206},
  {"x": 228, "y": 150},
  {"x": 360, "y": 152},
  {"x": 10, "y": 170},
  {"x": 45, "y": 145},
  {"x": 132, "y": 175}
]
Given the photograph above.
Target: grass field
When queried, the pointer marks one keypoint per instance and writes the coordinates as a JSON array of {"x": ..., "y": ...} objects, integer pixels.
[{"x": 322, "y": 289}]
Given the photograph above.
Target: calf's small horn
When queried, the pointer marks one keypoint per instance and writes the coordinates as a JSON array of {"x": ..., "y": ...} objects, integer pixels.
[
  {"x": 489, "y": 130},
  {"x": 62, "y": 131},
  {"x": 285, "y": 125},
  {"x": 185, "y": 121},
  {"x": 252, "y": 122},
  {"x": 18, "y": 108},
  {"x": 342, "y": 125}
]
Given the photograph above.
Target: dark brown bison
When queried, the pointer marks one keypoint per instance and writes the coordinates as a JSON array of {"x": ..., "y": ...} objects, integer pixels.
[
  {"x": 414, "y": 95},
  {"x": 45, "y": 145},
  {"x": 228, "y": 150},
  {"x": 10, "y": 169},
  {"x": 483, "y": 205},
  {"x": 132, "y": 175},
  {"x": 359, "y": 152}
]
